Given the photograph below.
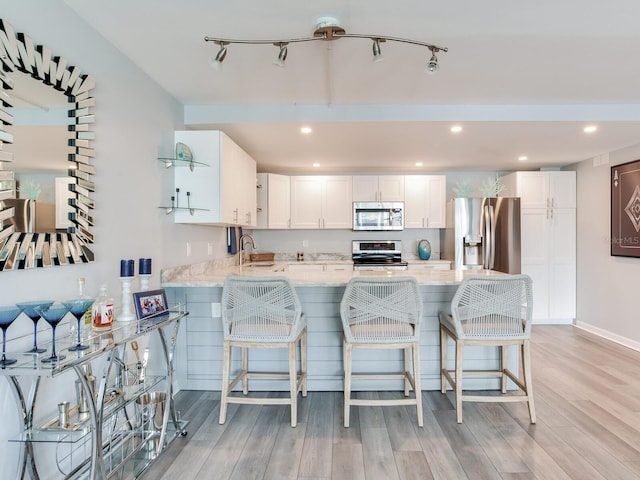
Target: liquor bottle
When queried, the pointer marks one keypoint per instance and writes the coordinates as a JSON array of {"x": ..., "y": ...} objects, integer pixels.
[
  {"x": 102, "y": 311},
  {"x": 82, "y": 294}
]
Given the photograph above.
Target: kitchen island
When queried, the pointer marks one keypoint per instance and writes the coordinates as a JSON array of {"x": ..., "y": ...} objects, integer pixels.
[{"x": 199, "y": 350}]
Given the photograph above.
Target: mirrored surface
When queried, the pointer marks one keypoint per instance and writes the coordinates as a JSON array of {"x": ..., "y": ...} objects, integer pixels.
[{"x": 46, "y": 157}]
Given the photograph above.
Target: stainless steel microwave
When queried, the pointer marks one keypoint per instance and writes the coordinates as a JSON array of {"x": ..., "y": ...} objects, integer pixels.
[{"x": 376, "y": 216}]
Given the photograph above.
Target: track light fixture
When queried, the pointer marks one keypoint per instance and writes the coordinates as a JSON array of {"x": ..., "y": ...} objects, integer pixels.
[
  {"x": 282, "y": 55},
  {"x": 220, "y": 56},
  {"x": 328, "y": 29},
  {"x": 377, "y": 53},
  {"x": 432, "y": 64}
]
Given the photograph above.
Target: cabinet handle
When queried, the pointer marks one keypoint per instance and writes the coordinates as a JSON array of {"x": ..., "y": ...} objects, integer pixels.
[
  {"x": 235, "y": 215},
  {"x": 319, "y": 223}
]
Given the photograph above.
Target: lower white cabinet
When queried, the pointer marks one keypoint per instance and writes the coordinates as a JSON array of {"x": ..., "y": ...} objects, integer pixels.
[
  {"x": 319, "y": 267},
  {"x": 425, "y": 201},
  {"x": 430, "y": 266}
]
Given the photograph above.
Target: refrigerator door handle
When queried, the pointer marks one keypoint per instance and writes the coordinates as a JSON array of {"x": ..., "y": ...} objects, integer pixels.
[
  {"x": 492, "y": 244},
  {"x": 487, "y": 237}
]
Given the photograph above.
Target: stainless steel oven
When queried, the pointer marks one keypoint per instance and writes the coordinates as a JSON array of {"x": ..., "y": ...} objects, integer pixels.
[{"x": 377, "y": 255}]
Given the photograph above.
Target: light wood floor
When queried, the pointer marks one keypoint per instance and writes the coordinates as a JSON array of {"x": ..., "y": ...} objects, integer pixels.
[{"x": 587, "y": 396}]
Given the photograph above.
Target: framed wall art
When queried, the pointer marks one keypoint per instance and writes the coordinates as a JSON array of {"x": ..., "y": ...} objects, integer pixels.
[{"x": 625, "y": 209}]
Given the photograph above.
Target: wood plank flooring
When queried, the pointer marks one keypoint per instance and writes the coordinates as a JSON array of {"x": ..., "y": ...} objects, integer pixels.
[{"x": 587, "y": 395}]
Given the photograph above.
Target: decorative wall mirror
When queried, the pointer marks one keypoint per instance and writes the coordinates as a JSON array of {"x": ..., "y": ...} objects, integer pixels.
[{"x": 67, "y": 240}]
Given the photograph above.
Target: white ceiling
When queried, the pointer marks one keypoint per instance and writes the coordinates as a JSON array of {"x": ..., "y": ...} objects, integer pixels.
[{"x": 521, "y": 78}]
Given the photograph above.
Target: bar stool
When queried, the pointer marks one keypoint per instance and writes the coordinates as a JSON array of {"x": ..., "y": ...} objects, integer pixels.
[
  {"x": 262, "y": 312},
  {"x": 489, "y": 311},
  {"x": 382, "y": 313}
]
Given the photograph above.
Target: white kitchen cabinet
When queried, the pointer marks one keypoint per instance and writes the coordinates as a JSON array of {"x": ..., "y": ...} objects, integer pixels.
[
  {"x": 374, "y": 188},
  {"x": 319, "y": 202},
  {"x": 429, "y": 265},
  {"x": 320, "y": 267},
  {"x": 425, "y": 201},
  {"x": 548, "y": 241},
  {"x": 555, "y": 189},
  {"x": 274, "y": 201},
  {"x": 309, "y": 267},
  {"x": 223, "y": 188}
]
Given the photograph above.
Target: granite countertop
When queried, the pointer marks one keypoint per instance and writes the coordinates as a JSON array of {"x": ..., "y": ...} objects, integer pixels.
[{"x": 212, "y": 275}]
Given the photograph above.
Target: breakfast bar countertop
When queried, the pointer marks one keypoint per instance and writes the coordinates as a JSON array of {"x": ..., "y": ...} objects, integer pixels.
[{"x": 211, "y": 274}]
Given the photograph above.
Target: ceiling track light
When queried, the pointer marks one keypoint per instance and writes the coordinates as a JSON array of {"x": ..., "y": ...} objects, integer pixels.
[
  {"x": 220, "y": 56},
  {"x": 282, "y": 55},
  {"x": 328, "y": 29},
  {"x": 432, "y": 64},
  {"x": 377, "y": 53}
]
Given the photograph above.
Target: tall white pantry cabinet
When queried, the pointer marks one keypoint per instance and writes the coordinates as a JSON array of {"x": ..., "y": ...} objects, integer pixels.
[{"x": 548, "y": 232}]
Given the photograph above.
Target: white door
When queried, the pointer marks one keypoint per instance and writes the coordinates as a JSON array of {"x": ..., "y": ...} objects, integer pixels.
[
  {"x": 535, "y": 258},
  {"x": 365, "y": 188},
  {"x": 391, "y": 188}
]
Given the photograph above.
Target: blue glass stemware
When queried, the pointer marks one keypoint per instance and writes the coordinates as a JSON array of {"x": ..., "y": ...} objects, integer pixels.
[
  {"x": 7, "y": 316},
  {"x": 29, "y": 309},
  {"x": 78, "y": 308},
  {"x": 53, "y": 314}
]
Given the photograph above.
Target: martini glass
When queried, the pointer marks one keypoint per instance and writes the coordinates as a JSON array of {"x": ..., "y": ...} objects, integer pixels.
[
  {"x": 29, "y": 309},
  {"x": 53, "y": 314},
  {"x": 7, "y": 316},
  {"x": 78, "y": 308}
]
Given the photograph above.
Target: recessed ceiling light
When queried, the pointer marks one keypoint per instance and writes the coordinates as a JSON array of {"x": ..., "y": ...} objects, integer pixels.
[
  {"x": 522, "y": 158},
  {"x": 456, "y": 129},
  {"x": 316, "y": 165},
  {"x": 590, "y": 129},
  {"x": 418, "y": 164},
  {"x": 306, "y": 130}
]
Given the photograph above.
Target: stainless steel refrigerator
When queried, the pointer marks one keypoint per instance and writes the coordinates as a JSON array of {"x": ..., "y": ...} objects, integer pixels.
[{"x": 482, "y": 233}]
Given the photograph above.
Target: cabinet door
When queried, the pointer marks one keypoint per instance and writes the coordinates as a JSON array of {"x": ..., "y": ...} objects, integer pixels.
[
  {"x": 391, "y": 188},
  {"x": 300, "y": 267},
  {"x": 424, "y": 201},
  {"x": 414, "y": 201},
  {"x": 436, "y": 187},
  {"x": 338, "y": 267},
  {"x": 337, "y": 204},
  {"x": 230, "y": 169},
  {"x": 247, "y": 184},
  {"x": 306, "y": 202},
  {"x": 533, "y": 189},
  {"x": 279, "y": 201},
  {"x": 535, "y": 257},
  {"x": 562, "y": 264},
  {"x": 365, "y": 188},
  {"x": 562, "y": 188}
]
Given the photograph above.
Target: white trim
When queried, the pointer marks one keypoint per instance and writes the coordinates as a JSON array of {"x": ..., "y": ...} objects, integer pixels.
[{"x": 609, "y": 335}]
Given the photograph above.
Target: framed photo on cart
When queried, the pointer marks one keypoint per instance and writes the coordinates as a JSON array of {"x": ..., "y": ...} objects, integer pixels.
[
  {"x": 150, "y": 303},
  {"x": 625, "y": 209}
]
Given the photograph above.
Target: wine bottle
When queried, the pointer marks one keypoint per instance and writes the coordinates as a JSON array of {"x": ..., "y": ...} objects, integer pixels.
[{"x": 102, "y": 311}]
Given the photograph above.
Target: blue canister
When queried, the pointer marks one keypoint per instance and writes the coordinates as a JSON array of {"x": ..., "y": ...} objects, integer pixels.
[{"x": 424, "y": 250}]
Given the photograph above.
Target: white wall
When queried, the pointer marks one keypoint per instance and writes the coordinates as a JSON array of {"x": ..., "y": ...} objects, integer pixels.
[
  {"x": 607, "y": 286},
  {"x": 135, "y": 119}
]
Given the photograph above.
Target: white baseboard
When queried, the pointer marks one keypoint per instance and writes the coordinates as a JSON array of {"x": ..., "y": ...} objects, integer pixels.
[
  {"x": 552, "y": 321},
  {"x": 609, "y": 335}
]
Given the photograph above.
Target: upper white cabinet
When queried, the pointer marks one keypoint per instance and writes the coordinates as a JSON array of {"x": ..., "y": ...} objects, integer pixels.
[
  {"x": 425, "y": 201},
  {"x": 542, "y": 189},
  {"x": 274, "y": 201},
  {"x": 374, "y": 188},
  {"x": 321, "y": 202},
  {"x": 548, "y": 245},
  {"x": 224, "y": 188}
]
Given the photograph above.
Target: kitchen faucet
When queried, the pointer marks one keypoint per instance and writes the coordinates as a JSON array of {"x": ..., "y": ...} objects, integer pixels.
[{"x": 242, "y": 244}]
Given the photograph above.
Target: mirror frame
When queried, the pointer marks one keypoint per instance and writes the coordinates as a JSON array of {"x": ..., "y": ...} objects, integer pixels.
[{"x": 19, "y": 250}]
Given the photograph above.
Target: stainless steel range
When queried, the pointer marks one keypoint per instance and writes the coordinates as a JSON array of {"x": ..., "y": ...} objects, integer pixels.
[{"x": 377, "y": 255}]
